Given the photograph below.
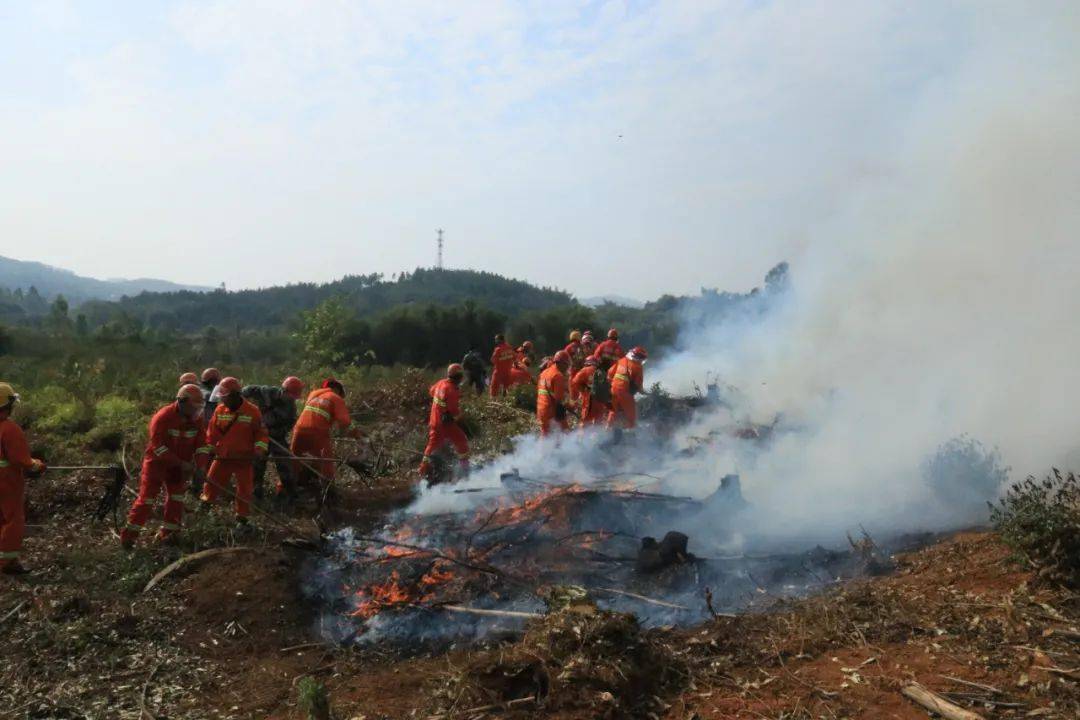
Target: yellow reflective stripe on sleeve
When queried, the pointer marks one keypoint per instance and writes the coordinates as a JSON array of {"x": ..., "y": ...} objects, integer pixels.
[
  {"x": 244, "y": 418},
  {"x": 173, "y": 432},
  {"x": 190, "y": 433},
  {"x": 4, "y": 463},
  {"x": 317, "y": 411},
  {"x": 160, "y": 450},
  {"x": 439, "y": 402},
  {"x": 620, "y": 376},
  {"x": 542, "y": 391},
  {"x": 205, "y": 450},
  {"x": 225, "y": 417},
  {"x": 9, "y": 555},
  {"x": 262, "y": 445}
]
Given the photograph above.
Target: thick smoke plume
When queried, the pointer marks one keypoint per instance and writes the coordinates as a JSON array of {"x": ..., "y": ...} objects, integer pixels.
[
  {"x": 929, "y": 322},
  {"x": 940, "y": 303}
]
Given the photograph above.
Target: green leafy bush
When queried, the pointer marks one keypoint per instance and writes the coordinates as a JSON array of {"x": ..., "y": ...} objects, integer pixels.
[
  {"x": 115, "y": 419},
  {"x": 313, "y": 699},
  {"x": 1041, "y": 521}
]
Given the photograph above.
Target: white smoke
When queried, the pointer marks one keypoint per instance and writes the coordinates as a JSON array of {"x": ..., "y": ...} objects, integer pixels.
[
  {"x": 936, "y": 302},
  {"x": 939, "y": 302}
]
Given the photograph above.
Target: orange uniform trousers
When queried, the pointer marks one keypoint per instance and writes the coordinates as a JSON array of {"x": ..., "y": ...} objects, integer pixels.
[
  {"x": 623, "y": 409},
  {"x": 545, "y": 413},
  {"x": 447, "y": 432},
  {"x": 235, "y": 475},
  {"x": 593, "y": 412},
  {"x": 12, "y": 518},
  {"x": 151, "y": 480},
  {"x": 315, "y": 444},
  {"x": 500, "y": 381}
]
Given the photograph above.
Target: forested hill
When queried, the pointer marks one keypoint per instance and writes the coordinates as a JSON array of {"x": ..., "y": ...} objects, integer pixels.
[
  {"x": 19, "y": 277},
  {"x": 366, "y": 295}
]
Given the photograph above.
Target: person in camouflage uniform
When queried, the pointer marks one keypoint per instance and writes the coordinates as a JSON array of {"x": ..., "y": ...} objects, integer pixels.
[
  {"x": 278, "y": 408},
  {"x": 475, "y": 370}
]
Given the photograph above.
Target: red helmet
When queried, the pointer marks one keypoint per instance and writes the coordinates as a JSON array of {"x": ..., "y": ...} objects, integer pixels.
[
  {"x": 455, "y": 371},
  {"x": 613, "y": 334},
  {"x": 334, "y": 385},
  {"x": 189, "y": 378},
  {"x": 639, "y": 353},
  {"x": 190, "y": 393},
  {"x": 293, "y": 387},
  {"x": 211, "y": 374},
  {"x": 228, "y": 386},
  {"x": 527, "y": 345},
  {"x": 561, "y": 358}
]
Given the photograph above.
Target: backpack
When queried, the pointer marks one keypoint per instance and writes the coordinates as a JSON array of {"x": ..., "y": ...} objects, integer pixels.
[{"x": 600, "y": 389}]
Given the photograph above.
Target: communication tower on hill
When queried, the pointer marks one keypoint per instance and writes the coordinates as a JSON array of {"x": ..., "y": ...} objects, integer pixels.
[{"x": 440, "y": 249}]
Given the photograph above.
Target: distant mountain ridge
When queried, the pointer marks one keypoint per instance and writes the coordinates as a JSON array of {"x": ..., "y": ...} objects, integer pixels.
[
  {"x": 613, "y": 299},
  {"x": 366, "y": 295},
  {"x": 52, "y": 281}
]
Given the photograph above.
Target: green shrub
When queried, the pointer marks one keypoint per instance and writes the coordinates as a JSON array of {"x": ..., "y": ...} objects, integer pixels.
[
  {"x": 523, "y": 397},
  {"x": 115, "y": 419},
  {"x": 1040, "y": 520},
  {"x": 313, "y": 699}
]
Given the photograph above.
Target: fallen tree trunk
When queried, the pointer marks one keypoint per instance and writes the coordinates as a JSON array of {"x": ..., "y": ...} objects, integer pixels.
[
  {"x": 937, "y": 704},
  {"x": 189, "y": 559}
]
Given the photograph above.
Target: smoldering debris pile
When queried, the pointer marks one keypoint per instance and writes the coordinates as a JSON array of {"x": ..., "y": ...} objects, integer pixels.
[{"x": 437, "y": 577}]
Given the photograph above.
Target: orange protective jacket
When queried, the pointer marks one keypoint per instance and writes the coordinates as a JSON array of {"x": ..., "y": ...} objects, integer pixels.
[
  {"x": 626, "y": 376},
  {"x": 445, "y": 400},
  {"x": 14, "y": 453},
  {"x": 581, "y": 384},
  {"x": 175, "y": 438},
  {"x": 323, "y": 410},
  {"x": 237, "y": 434},
  {"x": 522, "y": 359},
  {"x": 608, "y": 351},
  {"x": 502, "y": 359},
  {"x": 576, "y": 351},
  {"x": 551, "y": 388}
]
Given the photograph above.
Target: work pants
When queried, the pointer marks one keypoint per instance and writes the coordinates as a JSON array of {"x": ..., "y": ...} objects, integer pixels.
[
  {"x": 235, "y": 476},
  {"x": 151, "y": 480},
  {"x": 311, "y": 445},
  {"x": 623, "y": 410},
  {"x": 438, "y": 437},
  {"x": 278, "y": 451},
  {"x": 546, "y": 414},
  {"x": 12, "y": 518},
  {"x": 500, "y": 381}
]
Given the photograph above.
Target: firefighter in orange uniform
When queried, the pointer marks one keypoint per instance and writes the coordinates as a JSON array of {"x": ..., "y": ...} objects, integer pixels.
[
  {"x": 238, "y": 438},
  {"x": 551, "y": 394},
  {"x": 502, "y": 363},
  {"x": 324, "y": 410},
  {"x": 594, "y": 410},
  {"x": 15, "y": 465},
  {"x": 588, "y": 344},
  {"x": 176, "y": 448},
  {"x": 577, "y": 359},
  {"x": 444, "y": 421},
  {"x": 609, "y": 351},
  {"x": 627, "y": 380},
  {"x": 523, "y": 360}
]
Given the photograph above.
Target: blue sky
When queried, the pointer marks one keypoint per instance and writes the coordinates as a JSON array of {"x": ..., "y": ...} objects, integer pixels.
[{"x": 604, "y": 147}]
